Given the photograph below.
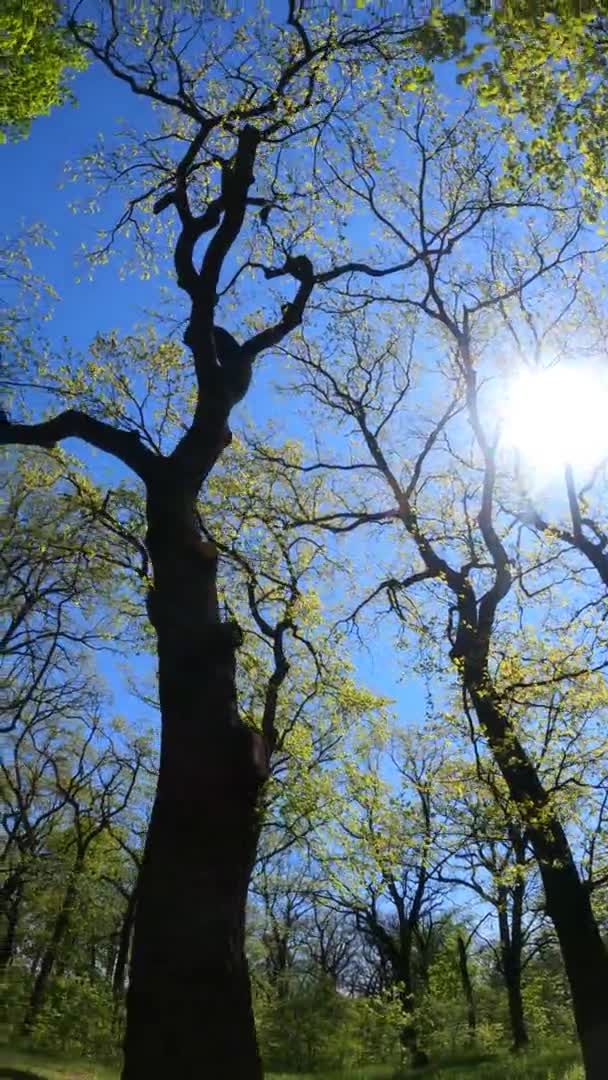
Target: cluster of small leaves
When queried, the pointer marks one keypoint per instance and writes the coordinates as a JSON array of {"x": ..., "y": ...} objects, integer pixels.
[
  {"x": 543, "y": 67},
  {"x": 36, "y": 57}
]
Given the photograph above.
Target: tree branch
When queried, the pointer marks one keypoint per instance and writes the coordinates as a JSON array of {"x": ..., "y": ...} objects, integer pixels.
[
  {"x": 301, "y": 269},
  {"x": 72, "y": 424}
]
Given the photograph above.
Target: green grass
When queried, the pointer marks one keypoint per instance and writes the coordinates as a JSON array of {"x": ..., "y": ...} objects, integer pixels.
[
  {"x": 26, "y": 1065},
  {"x": 561, "y": 1064},
  {"x": 373, "y": 1072},
  {"x": 552, "y": 1064}
]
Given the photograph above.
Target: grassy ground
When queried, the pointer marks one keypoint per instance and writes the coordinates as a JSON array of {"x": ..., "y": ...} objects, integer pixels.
[{"x": 552, "y": 1064}]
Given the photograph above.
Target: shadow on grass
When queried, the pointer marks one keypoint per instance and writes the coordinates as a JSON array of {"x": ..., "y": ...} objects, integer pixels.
[{"x": 18, "y": 1074}]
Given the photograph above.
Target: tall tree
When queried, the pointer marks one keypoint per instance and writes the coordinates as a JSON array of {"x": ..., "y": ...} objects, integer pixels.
[
  {"x": 491, "y": 860},
  {"x": 90, "y": 779},
  {"x": 382, "y": 861},
  {"x": 58, "y": 614},
  {"x": 463, "y": 558},
  {"x": 244, "y": 112}
]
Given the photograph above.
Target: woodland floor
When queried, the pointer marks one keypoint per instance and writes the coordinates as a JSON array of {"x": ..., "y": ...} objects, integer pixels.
[{"x": 551, "y": 1064}]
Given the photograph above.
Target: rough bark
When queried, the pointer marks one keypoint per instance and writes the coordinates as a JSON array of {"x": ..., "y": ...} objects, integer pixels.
[
  {"x": 467, "y": 988},
  {"x": 188, "y": 965}
]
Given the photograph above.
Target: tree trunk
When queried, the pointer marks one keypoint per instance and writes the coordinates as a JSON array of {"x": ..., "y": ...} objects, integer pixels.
[
  {"x": 10, "y": 902},
  {"x": 402, "y": 967},
  {"x": 35, "y": 963},
  {"x": 467, "y": 988},
  {"x": 409, "y": 1034},
  {"x": 585, "y": 958},
  {"x": 7, "y": 948},
  {"x": 124, "y": 945},
  {"x": 52, "y": 950},
  {"x": 519, "y": 1030},
  {"x": 189, "y": 1010},
  {"x": 510, "y": 958},
  {"x": 567, "y": 898}
]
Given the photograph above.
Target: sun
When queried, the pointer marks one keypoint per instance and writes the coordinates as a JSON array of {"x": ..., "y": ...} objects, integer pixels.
[{"x": 557, "y": 416}]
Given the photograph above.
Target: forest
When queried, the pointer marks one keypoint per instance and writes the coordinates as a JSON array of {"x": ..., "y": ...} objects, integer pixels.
[{"x": 304, "y": 546}]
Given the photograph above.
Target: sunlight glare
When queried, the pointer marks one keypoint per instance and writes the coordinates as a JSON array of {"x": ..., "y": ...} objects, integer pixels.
[{"x": 557, "y": 416}]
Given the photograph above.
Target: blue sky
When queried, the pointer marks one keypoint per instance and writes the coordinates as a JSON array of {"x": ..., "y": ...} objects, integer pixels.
[{"x": 30, "y": 179}]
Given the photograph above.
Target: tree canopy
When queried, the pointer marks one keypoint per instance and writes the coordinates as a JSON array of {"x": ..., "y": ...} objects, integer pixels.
[
  {"x": 305, "y": 646},
  {"x": 36, "y": 57}
]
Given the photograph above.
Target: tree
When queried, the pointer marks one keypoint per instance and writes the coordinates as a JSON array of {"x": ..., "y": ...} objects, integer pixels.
[
  {"x": 467, "y": 985},
  {"x": 36, "y": 55},
  {"x": 96, "y": 782},
  {"x": 241, "y": 104},
  {"x": 462, "y": 554},
  {"x": 55, "y": 590},
  {"x": 56, "y": 583},
  {"x": 381, "y": 866},
  {"x": 491, "y": 859},
  {"x": 29, "y": 819}
]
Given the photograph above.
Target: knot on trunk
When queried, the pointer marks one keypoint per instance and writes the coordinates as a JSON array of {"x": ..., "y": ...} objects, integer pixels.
[{"x": 221, "y": 638}]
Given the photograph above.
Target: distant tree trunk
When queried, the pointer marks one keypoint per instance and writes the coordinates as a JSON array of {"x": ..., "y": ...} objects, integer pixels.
[
  {"x": 517, "y": 1020},
  {"x": 395, "y": 954},
  {"x": 402, "y": 968},
  {"x": 35, "y": 963},
  {"x": 467, "y": 988},
  {"x": 409, "y": 1033},
  {"x": 52, "y": 951},
  {"x": 567, "y": 899},
  {"x": 9, "y": 939},
  {"x": 124, "y": 945},
  {"x": 278, "y": 962},
  {"x": 111, "y": 955},
  {"x": 189, "y": 1010},
  {"x": 511, "y": 948},
  {"x": 510, "y": 959},
  {"x": 10, "y": 903}
]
